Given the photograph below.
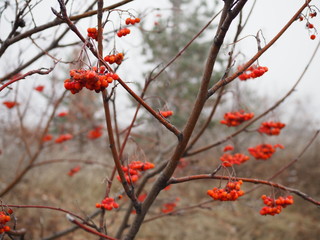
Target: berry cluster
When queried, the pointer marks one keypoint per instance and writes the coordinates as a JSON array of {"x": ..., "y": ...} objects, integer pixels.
[
  {"x": 93, "y": 33},
  {"x": 253, "y": 72},
  {"x": 132, "y": 172},
  {"x": 132, "y": 21},
  {"x": 74, "y": 170},
  {"x": 264, "y": 151},
  {"x": 63, "y": 138},
  {"x": 39, "y": 88},
  {"x": 228, "y": 148},
  {"x": 236, "y": 118},
  {"x": 107, "y": 204},
  {"x": 123, "y": 32},
  {"x": 114, "y": 58},
  {"x": 310, "y": 26},
  {"x": 271, "y": 128},
  {"x": 170, "y": 206},
  {"x": 10, "y": 104},
  {"x": 230, "y": 193},
  {"x": 90, "y": 79},
  {"x": 4, "y": 218},
  {"x": 166, "y": 114},
  {"x": 95, "y": 133},
  {"x": 274, "y": 206},
  {"x": 228, "y": 160}
]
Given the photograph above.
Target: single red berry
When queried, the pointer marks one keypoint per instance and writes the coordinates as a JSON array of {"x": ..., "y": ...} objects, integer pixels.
[{"x": 313, "y": 37}]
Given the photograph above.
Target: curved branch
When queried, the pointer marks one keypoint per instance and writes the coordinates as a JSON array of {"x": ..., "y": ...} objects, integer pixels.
[{"x": 250, "y": 180}]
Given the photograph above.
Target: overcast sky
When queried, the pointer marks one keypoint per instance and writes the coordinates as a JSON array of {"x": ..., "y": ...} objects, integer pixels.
[{"x": 285, "y": 60}]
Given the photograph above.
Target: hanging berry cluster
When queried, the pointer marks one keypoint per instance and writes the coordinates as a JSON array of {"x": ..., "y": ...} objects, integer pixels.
[
  {"x": 231, "y": 192},
  {"x": 166, "y": 114},
  {"x": 93, "y": 33},
  {"x": 132, "y": 21},
  {"x": 107, "y": 204},
  {"x": 252, "y": 72},
  {"x": 4, "y": 219},
  {"x": 312, "y": 30},
  {"x": 271, "y": 128},
  {"x": 90, "y": 79},
  {"x": 228, "y": 160},
  {"x": 63, "y": 137},
  {"x": 114, "y": 58},
  {"x": 232, "y": 119},
  {"x": 274, "y": 206},
  {"x": 123, "y": 32},
  {"x": 264, "y": 151},
  {"x": 132, "y": 172}
]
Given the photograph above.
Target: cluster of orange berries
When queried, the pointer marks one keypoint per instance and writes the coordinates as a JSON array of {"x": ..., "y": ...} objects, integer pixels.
[
  {"x": 309, "y": 25},
  {"x": 264, "y": 151},
  {"x": 274, "y": 206},
  {"x": 123, "y": 32},
  {"x": 228, "y": 160},
  {"x": 132, "y": 21},
  {"x": 95, "y": 133},
  {"x": 74, "y": 170},
  {"x": 107, "y": 204},
  {"x": 114, "y": 58},
  {"x": 166, "y": 114},
  {"x": 10, "y": 104},
  {"x": 63, "y": 137},
  {"x": 252, "y": 72},
  {"x": 271, "y": 128},
  {"x": 93, "y": 33},
  {"x": 4, "y": 219},
  {"x": 231, "y": 192},
  {"x": 232, "y": 119},
  {"x": 170, "y": 206},
  {"x": 132, "y": 172},
  {"x": 90, "y": 79}
]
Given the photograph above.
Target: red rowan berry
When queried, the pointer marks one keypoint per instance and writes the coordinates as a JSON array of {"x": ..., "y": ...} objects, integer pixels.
[{"x": 312, "y": 37}]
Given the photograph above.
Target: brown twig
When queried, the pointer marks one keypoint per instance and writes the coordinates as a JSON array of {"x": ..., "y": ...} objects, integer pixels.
[
  {"x": 195, "y": 113},
  {"x": 88, "y": 229},
  {"x": 293, "y": 161},
  {"x": 41, "y": 71},
  {"x": 250, "y": 180},
  {"x": 281, "y": 100},
  {"x": 227, "y": 80}
]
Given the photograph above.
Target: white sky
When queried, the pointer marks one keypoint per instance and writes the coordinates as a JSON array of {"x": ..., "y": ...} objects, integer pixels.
[{"x": 285, "y": 60}]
